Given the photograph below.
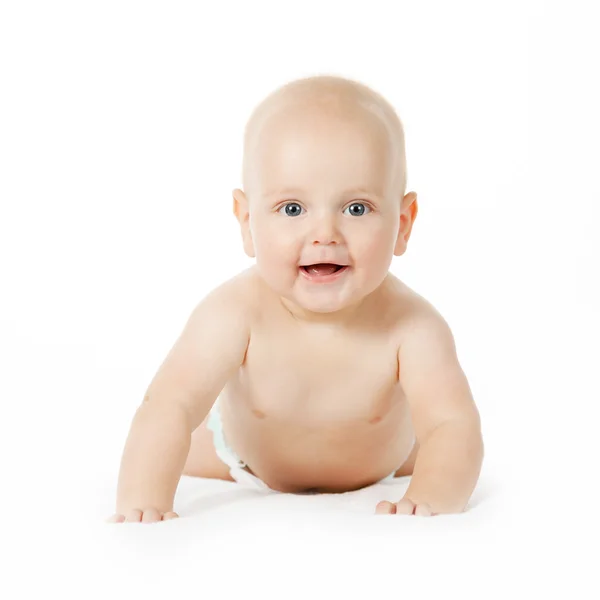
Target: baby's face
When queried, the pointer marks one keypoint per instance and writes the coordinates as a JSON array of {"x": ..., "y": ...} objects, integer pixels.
[{"x": 322, "y": 194}]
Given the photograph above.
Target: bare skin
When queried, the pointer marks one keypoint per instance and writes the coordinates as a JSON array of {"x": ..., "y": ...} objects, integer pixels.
[
  {"x": 312, "y": 407},
  {"x": 323, "y": 386},
  {"x": 316, "y": 408}
]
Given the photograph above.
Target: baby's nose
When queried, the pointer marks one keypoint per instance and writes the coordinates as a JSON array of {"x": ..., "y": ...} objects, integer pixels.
[{"x": 325, "y": 232}]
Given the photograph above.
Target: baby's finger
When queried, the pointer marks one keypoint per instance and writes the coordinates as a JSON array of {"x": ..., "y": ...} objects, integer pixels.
[
  {"x": 385, "y": 508},
  {"x": 133, "y": 516},
  {"x": 170, "y": 515},
  {"x": 405, "y": 507},
  {"x": 151, "y": 515},
  {"x": 423, "y": 510},
  {"x": 116, "y": 518}
]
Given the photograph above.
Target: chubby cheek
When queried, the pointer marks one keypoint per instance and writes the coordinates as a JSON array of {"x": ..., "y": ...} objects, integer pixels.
[
  {"x": 375, "y": 252},
  {"x": 275, "y": 251}
]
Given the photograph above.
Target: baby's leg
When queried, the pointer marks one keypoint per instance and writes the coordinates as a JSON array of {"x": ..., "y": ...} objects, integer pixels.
[{"x": 202, "y": 460}]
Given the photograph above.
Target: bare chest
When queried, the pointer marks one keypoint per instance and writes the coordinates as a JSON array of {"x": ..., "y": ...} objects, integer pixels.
[
  {"x": 318, "y": 379},
  {"x": 318, "y": 412}
]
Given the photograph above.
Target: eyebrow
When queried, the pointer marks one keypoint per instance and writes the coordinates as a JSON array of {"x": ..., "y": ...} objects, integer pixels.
[{"x": 287, "y": 191}]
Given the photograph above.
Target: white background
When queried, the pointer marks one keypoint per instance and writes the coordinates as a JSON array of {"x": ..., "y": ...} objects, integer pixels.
[{"x": 121, "y": 130}]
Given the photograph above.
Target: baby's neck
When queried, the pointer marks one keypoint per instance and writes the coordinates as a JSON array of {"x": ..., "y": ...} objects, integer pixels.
[{"x": 338, "y": 318}]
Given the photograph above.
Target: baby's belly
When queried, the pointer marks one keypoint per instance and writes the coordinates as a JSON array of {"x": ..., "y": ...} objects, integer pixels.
[{"x": 293, "y": 455}]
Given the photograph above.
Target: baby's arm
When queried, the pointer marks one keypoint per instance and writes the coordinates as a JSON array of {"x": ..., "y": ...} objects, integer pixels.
[
  {"x": 208, "y": 352},
  {"x": 445, "y": 417}
]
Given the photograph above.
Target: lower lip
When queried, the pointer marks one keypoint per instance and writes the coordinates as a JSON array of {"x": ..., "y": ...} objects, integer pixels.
[{"x": 313, "y": 278}]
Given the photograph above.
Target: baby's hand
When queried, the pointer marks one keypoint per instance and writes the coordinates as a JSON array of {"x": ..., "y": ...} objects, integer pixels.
[
  {"x": 404, "y": 507},
  {"x": 149, "y": 515}
]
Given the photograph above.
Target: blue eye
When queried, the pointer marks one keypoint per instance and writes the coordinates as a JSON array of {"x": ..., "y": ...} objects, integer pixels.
[
  {"x": 361, "y": 211},
  {"x": 291, "y": 212},
  {"x": 293, "y": 209}
]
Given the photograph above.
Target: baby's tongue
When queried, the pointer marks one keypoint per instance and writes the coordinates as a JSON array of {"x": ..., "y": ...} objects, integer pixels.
[{"x": 321, "y": 269}]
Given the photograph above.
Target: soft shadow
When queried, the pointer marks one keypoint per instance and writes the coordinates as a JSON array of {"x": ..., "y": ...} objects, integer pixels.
[
  {"x": 483, "y": 492},
  {"x": 209, "y": 501}
]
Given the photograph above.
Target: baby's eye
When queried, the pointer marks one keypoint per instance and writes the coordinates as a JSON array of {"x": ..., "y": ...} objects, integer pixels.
[
  {"x": 292, "y": 209},
  {"x": 359, "y": 209}
]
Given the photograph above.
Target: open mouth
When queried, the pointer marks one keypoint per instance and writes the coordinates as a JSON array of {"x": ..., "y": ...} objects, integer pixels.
[
  {"x": 323, "y": 268},
  {"x": 323, "y": 272}
]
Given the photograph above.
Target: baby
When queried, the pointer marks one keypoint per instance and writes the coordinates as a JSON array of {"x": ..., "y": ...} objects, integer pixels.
[{"x": 315, "y": 370}]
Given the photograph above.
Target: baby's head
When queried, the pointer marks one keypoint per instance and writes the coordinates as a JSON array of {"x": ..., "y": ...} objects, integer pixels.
[{"x": 324, "y": 177}]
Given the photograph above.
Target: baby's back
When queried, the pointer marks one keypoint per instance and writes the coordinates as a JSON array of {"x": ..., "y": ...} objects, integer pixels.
[{"x": 316, "y": 406}]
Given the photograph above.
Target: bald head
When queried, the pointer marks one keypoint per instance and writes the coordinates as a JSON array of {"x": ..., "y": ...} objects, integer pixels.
[{"x": 308, "y": 100}]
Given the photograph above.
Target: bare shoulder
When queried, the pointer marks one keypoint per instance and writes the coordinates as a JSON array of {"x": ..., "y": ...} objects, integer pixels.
[
  {"x": 211, "y": 346},
  {"x": 413, "y": 310},
  {"x": 420, "y": 327},
  {"x": 429, "y": 371},
  {"x": 237, "y": 295}
]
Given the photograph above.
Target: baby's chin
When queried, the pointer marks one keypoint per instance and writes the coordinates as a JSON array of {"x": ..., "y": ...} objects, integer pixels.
[
  {"x": 331, "y": 302},
  {"x": 312, "y": 311},
  {"x": 320, "y": 307}
]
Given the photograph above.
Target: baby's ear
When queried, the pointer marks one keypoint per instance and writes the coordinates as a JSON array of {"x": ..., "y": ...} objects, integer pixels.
[
  {"x": 240, "y": 210},
  {"x": 408, "y": 214}
]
